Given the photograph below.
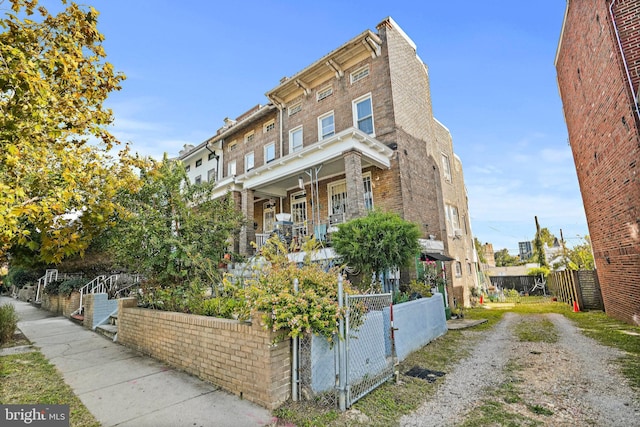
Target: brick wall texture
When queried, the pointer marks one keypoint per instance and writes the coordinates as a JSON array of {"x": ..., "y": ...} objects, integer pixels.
[
  {"x": 604, "y": 135},
  {"x": 61, "y": 304},
  {"x": 242, "y": 358}
]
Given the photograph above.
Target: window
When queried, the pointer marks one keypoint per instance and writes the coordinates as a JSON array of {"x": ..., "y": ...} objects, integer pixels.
[
  {"x": 299, "y": 214},
  {"x": 363, "y": 114},
  {"x": 231, "y": 168},
  {"x": 453, "y": 220},
  {"x": 248, "y": 137},
  {"x": 248, "y": 162},
  {"x": 198, "y": 163},
  {"x": 211, "y": 175},
  {"x": 446, "y": 167},
  {"x": 198, "y": 179},
  {"x": 269, "y": 126},
  {"x": 326, "y": 126},
  {"x": 368, "y": 193},
  {"x": 270, "y": 152},
  {"x": 295, "y": 108},
  {"x": 187, "y": 168},
  {"x": 324, "y": 93},
  {"x": 458, "y": 269},
  {"x": 233, "y": 145},
  {"x": 268, "y": 217},
  {"x": 360, "y": 74},
  {"x": 338, "y": 197},
  {"x": 212, "y": 156},
  {"x": 469, "y": 268},
  {"x": 295, "y": 139}
]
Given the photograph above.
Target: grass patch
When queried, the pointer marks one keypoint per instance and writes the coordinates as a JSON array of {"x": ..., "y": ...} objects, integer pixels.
[
  {"x": 535, "y": 329},
  {"x": 613, "y": 333},
  {"x": 30, "y": 379},
  {"x": 494, "y": 413},
  {"x": 540, "y": 410}
]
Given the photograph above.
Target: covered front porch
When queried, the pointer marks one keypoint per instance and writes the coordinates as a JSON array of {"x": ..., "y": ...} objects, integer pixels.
[{"x": 310, "y": 191}]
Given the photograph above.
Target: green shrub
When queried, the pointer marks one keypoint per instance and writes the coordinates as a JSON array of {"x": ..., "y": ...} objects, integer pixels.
[
  {"x": 64, "y": 287},
  {"x": 20, "y": 276},
  {"x": 71, "y": 285},
  {"x": 8, "y": 322},
  {"x": 312, "y": 309}
]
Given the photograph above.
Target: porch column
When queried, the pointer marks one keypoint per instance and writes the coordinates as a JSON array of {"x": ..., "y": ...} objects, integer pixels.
[
  {"x": 355, "y": 189},
  {"x": 247, "y": 233}
]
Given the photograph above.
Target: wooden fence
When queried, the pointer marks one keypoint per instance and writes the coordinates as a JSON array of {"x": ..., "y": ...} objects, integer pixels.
[
  {"x": 522, "y": 284},
  {"x": 581, "y": 286}
]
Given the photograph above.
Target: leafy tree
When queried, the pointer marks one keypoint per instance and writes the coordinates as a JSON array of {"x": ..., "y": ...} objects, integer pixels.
[
  {"x": 546, "y": 238},
  {"x": 175, "y": 232},
  {"x": 581, "y": 256},
  {"x": 539, "y": 255},
  {"x": 479, "y": 250},
  {"x": 504, "y": 259},
  {"x": 58, "y": 172},
  {"x": 376, "y": 242},
  {"x": 538, "y": 271}
]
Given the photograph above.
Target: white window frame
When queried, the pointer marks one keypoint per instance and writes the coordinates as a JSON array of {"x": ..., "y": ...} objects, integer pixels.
[
  {"x": 249, "y": 161},
  {"x": 295, "y": 108},
  {"x": 199, "y": 162},
  {"x": 266, "y": 152},
  {"x": 232, "y": 145},
  {"x": 458, "y": 268},
  {"x": 330, "y": 186},
  {"x": 366, "y": 177},
  {"x": 212, "y": 175},
  {"x": 446, "y": 167},
  {"x": 356, "y": 119},
  {"x": 249, "y": 136},
  {"x": 359, "y": 74},
  {"x": 268, "y": 217},
  {"x": 453, "y": 219},
  {"x": 231, "y": 168},
  {"x": 269, "y": 126},
  {"x": 324, "y": 93},
  {"x": 292, "y": 132},
  {"x": 197, "y": 180},
  {"x": 321, "y": 134}
]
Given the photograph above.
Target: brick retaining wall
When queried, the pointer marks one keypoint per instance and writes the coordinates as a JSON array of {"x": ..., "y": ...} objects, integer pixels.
[{"x": 239, "y": 357}]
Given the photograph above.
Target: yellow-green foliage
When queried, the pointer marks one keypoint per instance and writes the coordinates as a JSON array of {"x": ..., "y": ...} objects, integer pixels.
[{"x": 313, "y": 309}]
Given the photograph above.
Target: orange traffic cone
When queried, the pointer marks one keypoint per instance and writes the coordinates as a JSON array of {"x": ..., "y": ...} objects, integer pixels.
[
  {"x": 481, "y": 298},
  {"x": 575, "y": 307}
]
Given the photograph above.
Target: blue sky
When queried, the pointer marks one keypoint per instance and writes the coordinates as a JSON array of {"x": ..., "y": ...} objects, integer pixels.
[{"x": 189, "y": 64}]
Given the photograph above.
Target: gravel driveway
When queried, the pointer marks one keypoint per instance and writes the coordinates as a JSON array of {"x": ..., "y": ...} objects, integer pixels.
[{"x": 574, "y": 381}]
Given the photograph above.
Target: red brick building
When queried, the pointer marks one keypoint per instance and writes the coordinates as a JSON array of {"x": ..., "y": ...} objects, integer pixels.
[
  {"x": 352, "y": 131},
  {"x": 598, "y": 67}
]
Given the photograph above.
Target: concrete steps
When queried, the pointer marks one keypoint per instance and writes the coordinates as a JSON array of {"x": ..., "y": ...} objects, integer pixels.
[{"x": 110, "y": 329}]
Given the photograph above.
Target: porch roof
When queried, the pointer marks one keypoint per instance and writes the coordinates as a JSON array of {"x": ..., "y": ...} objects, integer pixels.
[{"x": 276, "y": 177}]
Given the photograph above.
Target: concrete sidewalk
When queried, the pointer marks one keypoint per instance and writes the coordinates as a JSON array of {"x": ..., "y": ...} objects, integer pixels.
[{"x": 122, "y": 387}]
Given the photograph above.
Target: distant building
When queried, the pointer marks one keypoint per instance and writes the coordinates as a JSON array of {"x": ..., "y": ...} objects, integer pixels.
[
  {"x": 351, "y": 132},
  {"x": 489, "y": 257},
  {"x": 525, "y": 250},
  {"x": 599, "y": 79}
]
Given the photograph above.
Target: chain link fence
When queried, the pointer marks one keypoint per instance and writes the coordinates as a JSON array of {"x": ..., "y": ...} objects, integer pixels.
[{"x": 367, "y": 350}]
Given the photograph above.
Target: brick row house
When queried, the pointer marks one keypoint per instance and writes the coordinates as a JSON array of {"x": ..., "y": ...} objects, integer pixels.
[
  {"x": 351, "y": 132},
  {"x": 598, "y": 69}
]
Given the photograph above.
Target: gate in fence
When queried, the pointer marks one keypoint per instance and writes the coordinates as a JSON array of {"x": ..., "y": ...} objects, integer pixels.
[
  {"x": 369, "y": 352},
  {"x": 341, "y": 372}
]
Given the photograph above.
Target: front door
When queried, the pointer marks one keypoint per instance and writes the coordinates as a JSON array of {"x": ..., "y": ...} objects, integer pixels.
[{"x": 299, "y": 214}]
